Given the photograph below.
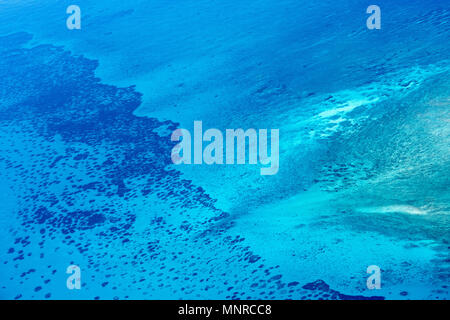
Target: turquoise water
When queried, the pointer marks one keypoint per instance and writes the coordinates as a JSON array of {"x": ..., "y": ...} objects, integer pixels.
[{"x": 85, "y": 171}]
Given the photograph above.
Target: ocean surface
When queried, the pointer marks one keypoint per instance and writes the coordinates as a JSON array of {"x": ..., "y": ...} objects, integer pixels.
[{"x": 86, "y": 177}]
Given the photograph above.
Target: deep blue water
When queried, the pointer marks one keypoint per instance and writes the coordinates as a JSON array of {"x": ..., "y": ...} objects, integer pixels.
[{"x": 86, "y": 176}]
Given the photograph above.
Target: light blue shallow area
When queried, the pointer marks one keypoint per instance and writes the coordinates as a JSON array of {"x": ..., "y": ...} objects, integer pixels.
[{"x": 85, "y": 171}]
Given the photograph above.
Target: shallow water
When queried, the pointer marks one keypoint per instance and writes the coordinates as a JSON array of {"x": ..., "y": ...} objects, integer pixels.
[{"x": 85, "y": 170}]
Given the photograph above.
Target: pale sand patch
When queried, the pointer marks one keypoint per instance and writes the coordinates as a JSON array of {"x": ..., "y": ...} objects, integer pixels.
[{"x": 395, "y": 209}]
